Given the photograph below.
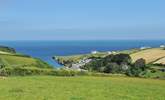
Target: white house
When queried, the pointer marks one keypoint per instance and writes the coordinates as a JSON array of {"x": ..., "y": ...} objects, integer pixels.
[
  {"x": 142, "y": 48},
  {"x": 162, "y": 46},
  {"x": 113, "y": 52},
  {"x": 93, "y": 52},
  {"x": 109, "y": 52}
]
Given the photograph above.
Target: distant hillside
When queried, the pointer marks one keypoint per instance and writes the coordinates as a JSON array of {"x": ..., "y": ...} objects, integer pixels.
[
  {"x": 7, "y": 49},
  {"x": 9, "y": 57},
  {"x": 150, "y": 55},
  {"x": 66, "y": 60}
]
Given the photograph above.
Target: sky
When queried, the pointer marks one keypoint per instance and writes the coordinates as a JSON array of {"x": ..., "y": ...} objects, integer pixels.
[{"x": 82, "y": 19}]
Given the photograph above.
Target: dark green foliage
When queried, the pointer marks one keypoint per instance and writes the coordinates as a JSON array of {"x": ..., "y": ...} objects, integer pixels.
[
  {"x": 161, "y": 65},
  {"x": 118, "y": 63},
  {"x": 119, "y": 58},
  {"x": 137, "y": 68},
  {"x": 134, "y": 71},
  {"x": 112, "y": 68},
  {"x": 140, "y": 63},
  {"x": 94, "y": 65},
  {"x": 22, "y": 55},
  {"x": 9, "y": 71}
]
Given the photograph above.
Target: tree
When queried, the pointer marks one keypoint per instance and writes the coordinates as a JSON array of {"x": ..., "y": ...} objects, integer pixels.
[
  {"x": 140, "y": 63},
  {"x": 94, "y": 65},
  {"x": 137, "y": 68},
  {"x": 112, "y": 68},
  {"x": 119, "y": 58}
]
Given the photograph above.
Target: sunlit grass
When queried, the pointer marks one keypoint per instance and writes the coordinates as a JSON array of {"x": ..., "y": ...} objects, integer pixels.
[{"x": 81, "y": 88}]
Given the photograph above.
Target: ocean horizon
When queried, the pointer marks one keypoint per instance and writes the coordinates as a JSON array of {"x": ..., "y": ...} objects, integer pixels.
[{"x": 46, "y": 49}]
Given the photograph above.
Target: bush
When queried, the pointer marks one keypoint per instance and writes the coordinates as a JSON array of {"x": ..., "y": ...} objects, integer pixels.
[
  {"x": 21, "y": 71},
  {"x": 118, "y": 63},
  {"x": 94, "y": 66},
  {"x": 137, "y": 68},
  {"x": 112, "y": 68},
  {"x": 140, "y": 63},
  {"x": 24, "y": 71},
  {"x": 118, "y": 58},
  {"x": 134, "y": 71}
]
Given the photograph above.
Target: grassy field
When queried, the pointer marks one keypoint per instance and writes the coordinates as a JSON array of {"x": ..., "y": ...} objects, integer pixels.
[
  {"x": 13, "y": 59},
  {"x": 81, "y": 88},
  {"x": 160, "y": 61},
  {"x": 150, "y": 55},
  {"x": 16, "y": 60}
]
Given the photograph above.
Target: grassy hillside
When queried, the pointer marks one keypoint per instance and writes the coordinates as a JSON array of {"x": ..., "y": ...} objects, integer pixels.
[
  {"x": 10, "y": 58},
  {"x": 150, "y": 55},
  {"x": 81, "y": 88},
  {"x": 20, "y": 61}
]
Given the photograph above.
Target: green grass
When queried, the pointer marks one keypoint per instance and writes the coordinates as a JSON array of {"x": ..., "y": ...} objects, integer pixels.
[
  {"x": 81, "y": 88},
  {"x": 21, "y": 61},
  {"x": 9, "y": 57},
  {"x": 16, "y": 60}
]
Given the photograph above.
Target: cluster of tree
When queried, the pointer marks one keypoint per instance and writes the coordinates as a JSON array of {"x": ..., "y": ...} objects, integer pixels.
[{"x": 119, "y": 63}]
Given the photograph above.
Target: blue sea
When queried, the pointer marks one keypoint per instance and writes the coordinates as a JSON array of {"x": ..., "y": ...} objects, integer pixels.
[{"x": 45, "y": 50}]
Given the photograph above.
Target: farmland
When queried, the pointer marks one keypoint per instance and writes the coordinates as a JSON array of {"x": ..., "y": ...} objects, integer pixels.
[{"x": 81, "y": 88}]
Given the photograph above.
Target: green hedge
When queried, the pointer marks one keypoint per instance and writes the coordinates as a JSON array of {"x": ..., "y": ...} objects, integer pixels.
[{"x": 24, "y": 71}]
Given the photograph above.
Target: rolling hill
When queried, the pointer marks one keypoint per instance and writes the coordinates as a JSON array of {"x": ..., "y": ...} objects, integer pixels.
[
  {"x": 150, "y": 55},
  {"x": 9, "y": 57}
]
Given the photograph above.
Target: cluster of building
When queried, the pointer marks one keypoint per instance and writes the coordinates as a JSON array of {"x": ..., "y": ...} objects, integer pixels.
[
  {"x": 162, "y": 46},
  {"x": 147, "y": 47},
  {"x": 77, "y": 66},
  {"x": 142, "y": 48},
  {"x": 109, "y": 52}
]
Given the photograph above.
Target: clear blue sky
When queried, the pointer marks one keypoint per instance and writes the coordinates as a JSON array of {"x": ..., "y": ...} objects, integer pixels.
[{"x": 81, "y": 19}]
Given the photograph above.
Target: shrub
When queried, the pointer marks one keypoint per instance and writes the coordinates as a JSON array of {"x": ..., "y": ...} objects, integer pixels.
[
  {"x": 24, "y": 71},
  {"x": 137, "y": 68},
  {"x": 118, "y": 63},
  {"x": 112, "y": 68},
  {"x": 94, "y": 65},
  {"x": 118, "y": 58},
  {"x": 140, "y": 63},
  {"x": 134, "y": 71}
]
